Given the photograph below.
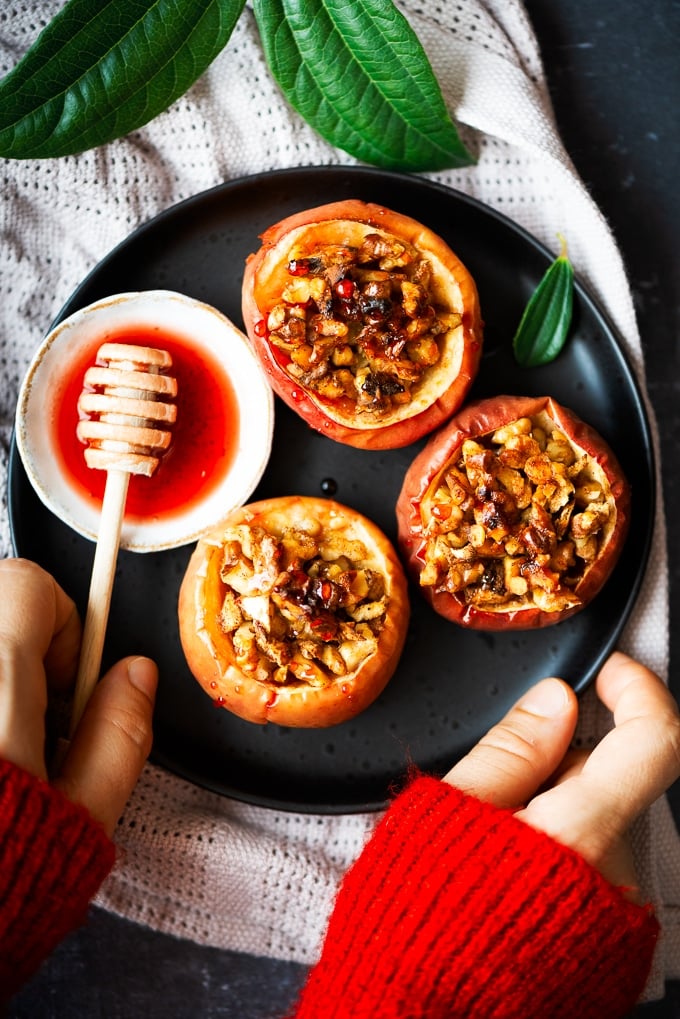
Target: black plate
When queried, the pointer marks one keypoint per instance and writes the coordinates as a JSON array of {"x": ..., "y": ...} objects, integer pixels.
[{"x": 451, "y": 685}]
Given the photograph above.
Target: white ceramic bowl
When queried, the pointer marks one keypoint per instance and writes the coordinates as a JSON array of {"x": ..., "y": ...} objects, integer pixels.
[{"x": 217, "y": 359}]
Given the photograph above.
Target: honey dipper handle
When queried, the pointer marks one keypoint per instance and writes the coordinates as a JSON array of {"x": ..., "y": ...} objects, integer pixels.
[{"x": 101, "y": 586}]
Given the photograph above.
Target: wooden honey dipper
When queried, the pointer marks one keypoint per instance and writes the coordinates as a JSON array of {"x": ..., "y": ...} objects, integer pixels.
[{"x": 126, "y": 426}]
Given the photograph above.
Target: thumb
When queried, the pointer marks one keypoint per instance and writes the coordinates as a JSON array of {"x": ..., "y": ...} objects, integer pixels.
[
  {"x": 521, "y": 752},
  {"x": 112, "y": 741}
]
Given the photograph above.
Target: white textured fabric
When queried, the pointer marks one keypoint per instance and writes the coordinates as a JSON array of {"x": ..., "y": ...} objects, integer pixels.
[{"x": 195, "y": 864}]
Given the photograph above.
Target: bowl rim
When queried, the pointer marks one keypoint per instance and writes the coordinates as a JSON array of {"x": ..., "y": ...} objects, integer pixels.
[{"x": 174, "y": 311}]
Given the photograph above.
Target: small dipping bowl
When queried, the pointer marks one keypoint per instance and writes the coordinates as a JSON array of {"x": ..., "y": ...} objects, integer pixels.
[{"x": 221, "y": 442}]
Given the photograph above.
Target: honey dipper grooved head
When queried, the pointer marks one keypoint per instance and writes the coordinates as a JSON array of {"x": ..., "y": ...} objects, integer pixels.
[{"x": 125, "y": 408}]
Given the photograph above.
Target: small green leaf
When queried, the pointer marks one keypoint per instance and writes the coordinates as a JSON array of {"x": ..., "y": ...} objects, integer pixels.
[
  {"x": 359, "y": 76},
  {"x": 102, "y": 69},
  {"x": 544, "y": 326}
]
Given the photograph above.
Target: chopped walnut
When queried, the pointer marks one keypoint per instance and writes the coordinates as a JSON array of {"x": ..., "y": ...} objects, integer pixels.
[
  {"x": 516, "y": 519},
  {"x": 300, "y": 607},
  {"x": 360, "y": 323}
]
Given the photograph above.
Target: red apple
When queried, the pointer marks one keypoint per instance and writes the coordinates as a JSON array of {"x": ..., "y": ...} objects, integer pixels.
[
  {"x": 513, "y": 515},
  {"x": 366, "y": 322},
  {"x": 294, "y": 611}
]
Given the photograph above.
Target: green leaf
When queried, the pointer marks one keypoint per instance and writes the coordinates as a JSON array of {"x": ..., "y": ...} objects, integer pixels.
[
  {"x": 359, "y": 76},
  {"x": 544, "y": 326},
  {"x": 103, "y": 68}
]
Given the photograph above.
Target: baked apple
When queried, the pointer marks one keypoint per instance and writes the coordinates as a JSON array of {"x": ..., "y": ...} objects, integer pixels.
[
  {"x": 294, "y": 611},
  {"x": 514, "y": 515},
  {"x": 366, "y": 322}
]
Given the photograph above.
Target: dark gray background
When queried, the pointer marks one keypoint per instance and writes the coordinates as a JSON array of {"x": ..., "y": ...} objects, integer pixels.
[{"x": 612, "y": 66}]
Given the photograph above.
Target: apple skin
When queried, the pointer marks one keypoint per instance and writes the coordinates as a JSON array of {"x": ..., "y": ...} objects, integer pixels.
[
  {"x": 210, "y": 656},
  {"x": 263, "y": 281},
  {"x": 478, "y": 419}
]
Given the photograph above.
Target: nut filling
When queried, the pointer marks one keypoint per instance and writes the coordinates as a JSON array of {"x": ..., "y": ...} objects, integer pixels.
[
  {"x": 300, "y": 608},
  {"x": 517, "y": 519},
  {"x": 359, "y": 322}
]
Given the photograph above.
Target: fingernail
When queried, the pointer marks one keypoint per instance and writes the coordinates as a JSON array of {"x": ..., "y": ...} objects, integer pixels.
[
  {"x": 547, "y": 699},
  {"x": 144, "y": 675}
]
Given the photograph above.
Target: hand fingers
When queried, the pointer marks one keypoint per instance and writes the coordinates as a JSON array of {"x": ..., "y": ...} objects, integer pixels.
[
  {"x": 39, "y": 631},
  {"x": 613, "y": 859},
  {"x": 519, "y": 754},
  {"x": 36, "y": 614},
  {"x": 640, "y": 758},
  {"x": 629, "y": 769},
  {"x": 112, "y": 742}
]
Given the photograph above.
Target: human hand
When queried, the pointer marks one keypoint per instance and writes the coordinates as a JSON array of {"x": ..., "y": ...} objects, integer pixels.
[
  {"x": 39, "y": 645},
  {"x": 583, "y": 800}
]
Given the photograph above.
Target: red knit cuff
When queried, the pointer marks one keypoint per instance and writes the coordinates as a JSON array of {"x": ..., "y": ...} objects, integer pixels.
[
  {"x": 458, "y": 908},
  {"x": 53, "y": 857}
]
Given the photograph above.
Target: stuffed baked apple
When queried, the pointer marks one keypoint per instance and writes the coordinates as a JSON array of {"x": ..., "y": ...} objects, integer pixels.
[
  {"x": 514, "y": 515},
  {"x": 294, "y": 611},
  {"x": 367, "y": 324}
]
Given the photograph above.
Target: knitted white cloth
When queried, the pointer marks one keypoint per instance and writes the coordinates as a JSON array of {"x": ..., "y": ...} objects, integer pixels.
[{"x": 195, "y": 864}]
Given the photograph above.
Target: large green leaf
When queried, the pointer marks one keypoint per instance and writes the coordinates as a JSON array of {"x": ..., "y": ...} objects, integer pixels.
[
  {"x": 357, "y": 73},
  {"x": 103, "y": 68}
]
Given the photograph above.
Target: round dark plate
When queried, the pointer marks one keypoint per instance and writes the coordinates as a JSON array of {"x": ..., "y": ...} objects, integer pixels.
[{"x": 451, "y": 684}]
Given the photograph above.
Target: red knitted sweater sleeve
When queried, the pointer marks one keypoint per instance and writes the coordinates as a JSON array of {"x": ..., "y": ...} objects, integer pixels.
[
  {"x": 456, "y": 908},
  {"x": 453, "y": 908},
  {"x": 53, "y": 857}
]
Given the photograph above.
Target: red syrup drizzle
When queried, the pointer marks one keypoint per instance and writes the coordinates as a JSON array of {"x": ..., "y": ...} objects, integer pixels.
[{"x": 204, "y": 438}]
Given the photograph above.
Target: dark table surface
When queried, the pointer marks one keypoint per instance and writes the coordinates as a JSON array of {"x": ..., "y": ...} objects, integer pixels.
[{"x": 614, "y": 76}]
